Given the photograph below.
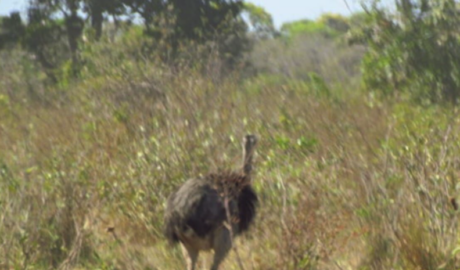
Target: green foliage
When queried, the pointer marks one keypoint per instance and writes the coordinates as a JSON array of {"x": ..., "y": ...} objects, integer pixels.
[
  {"x": 414, "y": 50},
  {"x": 215, "y": 24},
  {"x": 54, "y": 31},
  {"x": 317, "y": 60},
  {"x": 98, "y": 10},
  {"x": 45, "y": 39},
  {"x": 306, "y": 27},
  {"x": 42, "y": 36},
  {"x": 336, "y": 22},
  {"x": 11, "y": 30},
  {"x": 260, "y": 21},
  {"x": 204, "y": 19}
]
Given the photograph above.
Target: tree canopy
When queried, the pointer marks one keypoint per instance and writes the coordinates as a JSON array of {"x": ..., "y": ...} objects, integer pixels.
[
  {"x": 413, "y": 49},
  {"x": 54, "y": 28}
]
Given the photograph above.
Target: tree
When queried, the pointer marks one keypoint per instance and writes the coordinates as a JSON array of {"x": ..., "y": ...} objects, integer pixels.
[
  {"x": 335, "y": 22},
  {"x": 50, "y": 12},
  {"x": 54, "y": 29},
  {"x": 178, "y": 22},
  {"x": 147, "y": 10},
  {"x": 414, "y": 49},
  {"x": 216, "y": 21},
  {"x": 11, "y": 30},
  {"x": 260, "y": 21},
  {"x": 306, "y": 27},
  {"x": 40, "y": 36},
  {"x": 172, "y": 23},
  {"x": 196, "y": 19},
  {"x": 192, "y": 19},
  {"x": 97, "y": 10}
]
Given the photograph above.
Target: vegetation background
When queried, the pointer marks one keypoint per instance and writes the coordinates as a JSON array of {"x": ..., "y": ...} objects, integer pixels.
[{"x": 107, "y": 106}]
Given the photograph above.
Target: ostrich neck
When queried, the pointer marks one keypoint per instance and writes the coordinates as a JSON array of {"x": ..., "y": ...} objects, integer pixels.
[{"x": 247, "y": 160}]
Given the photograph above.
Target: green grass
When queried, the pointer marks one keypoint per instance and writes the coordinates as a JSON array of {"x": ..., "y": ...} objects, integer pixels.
[{"x": 346, "y": 181}]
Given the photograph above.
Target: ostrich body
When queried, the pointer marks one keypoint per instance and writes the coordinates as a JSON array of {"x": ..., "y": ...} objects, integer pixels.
[{"x": 208, "y": 212}]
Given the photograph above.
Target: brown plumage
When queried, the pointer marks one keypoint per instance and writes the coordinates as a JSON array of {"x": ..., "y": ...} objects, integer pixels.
[{"x": 197, "y": 214}]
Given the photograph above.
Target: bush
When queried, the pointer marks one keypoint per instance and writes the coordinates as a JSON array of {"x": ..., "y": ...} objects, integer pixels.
[{"x": 414, "y": 50}]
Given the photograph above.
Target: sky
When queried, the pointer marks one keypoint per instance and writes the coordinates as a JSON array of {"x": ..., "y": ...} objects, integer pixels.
[
  {"x": 281, "y": 10},
  {"x": 290, "y": 10}
]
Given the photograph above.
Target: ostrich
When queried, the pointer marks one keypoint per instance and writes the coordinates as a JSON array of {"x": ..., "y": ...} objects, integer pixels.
[{"x": 208, "y": 212}]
